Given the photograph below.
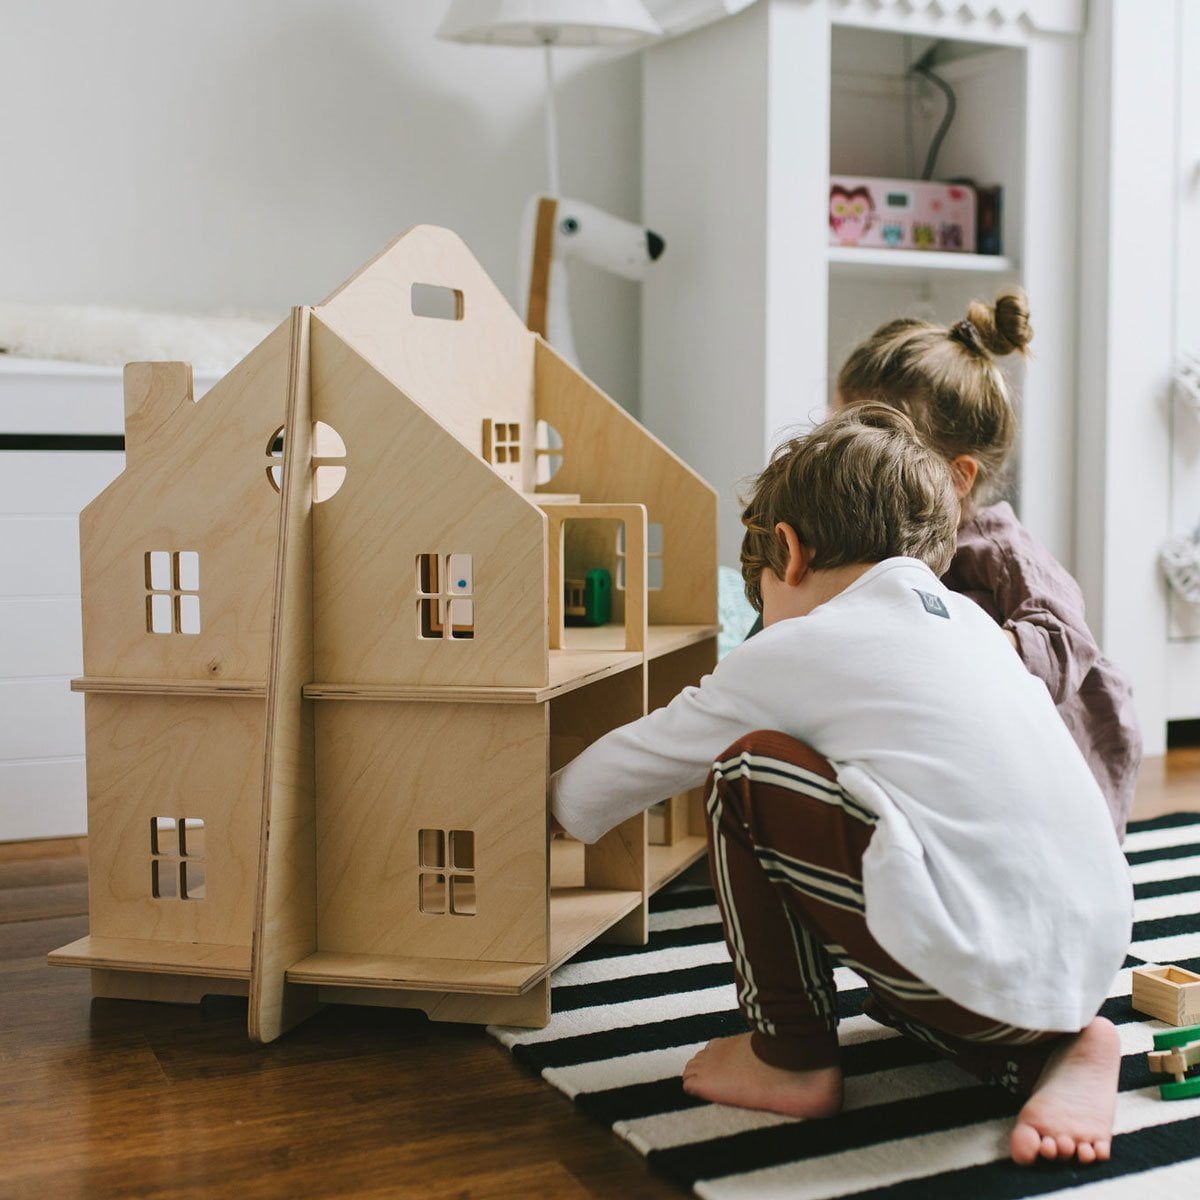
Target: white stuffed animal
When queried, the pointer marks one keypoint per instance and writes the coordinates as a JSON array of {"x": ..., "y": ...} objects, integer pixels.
[
  {"x": 1180, "y": 558},
  {"x": 556, "y": 229}
]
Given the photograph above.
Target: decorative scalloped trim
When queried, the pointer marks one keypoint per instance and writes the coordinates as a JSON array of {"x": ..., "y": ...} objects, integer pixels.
[{"x": 1046, "y": 16}]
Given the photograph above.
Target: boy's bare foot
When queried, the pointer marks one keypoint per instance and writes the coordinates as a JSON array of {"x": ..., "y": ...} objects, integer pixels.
[
  {"x": 1070, "y": 1115},
  {"x": 727, "y": 1071}
]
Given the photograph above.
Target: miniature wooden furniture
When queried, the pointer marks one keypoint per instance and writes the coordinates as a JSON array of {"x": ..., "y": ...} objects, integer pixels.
[
  {"x": 1176, "y": 1052},
  {"x": 327, "y": 675},
  {"x": 1171, "y": 994}
]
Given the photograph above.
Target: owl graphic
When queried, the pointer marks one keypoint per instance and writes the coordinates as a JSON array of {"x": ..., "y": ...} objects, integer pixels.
[
  {"x": 952, "y": 235},
  {"x": 924, "y": 235},
  {"x": 851, "y": 213},
  {"x": 893, "y": 234}
]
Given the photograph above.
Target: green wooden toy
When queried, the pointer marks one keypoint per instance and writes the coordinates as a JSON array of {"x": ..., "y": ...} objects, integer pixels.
[
  {"x": 588, "y": 601},
  {"x": 1177, "y": 1052}
]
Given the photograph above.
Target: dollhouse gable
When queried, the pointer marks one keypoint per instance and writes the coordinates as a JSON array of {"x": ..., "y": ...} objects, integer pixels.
[
  {"x": 429, "y": 319},
  {"x": 178, "y": 552}
]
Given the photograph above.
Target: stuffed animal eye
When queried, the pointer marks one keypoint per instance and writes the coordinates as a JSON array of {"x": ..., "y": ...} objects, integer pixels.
[{"x": 569, "y": 225}]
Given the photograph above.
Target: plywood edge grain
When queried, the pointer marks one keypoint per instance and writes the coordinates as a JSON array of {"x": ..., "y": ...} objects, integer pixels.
[{"x": 169, "y": 687}]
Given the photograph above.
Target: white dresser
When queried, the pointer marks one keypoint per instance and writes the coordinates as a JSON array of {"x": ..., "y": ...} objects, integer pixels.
[{"x": 61, "y": 442}]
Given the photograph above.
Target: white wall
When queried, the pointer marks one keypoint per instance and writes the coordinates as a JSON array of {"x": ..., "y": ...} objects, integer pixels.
[{"x": 250, "y": 154}]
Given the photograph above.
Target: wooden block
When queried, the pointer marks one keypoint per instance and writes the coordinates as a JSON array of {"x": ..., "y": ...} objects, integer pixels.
[{"x": 1170, "y": 993}]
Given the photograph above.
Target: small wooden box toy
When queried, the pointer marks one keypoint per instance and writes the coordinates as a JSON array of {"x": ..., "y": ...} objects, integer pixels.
[
  {"x": 1176, "y": 1052},
  {"x": 1171, "y": 994},
  {"x": 326, "y": 671}
]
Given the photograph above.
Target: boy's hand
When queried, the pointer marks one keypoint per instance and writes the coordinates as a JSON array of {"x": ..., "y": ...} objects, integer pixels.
[{"x": 1012, "y": 637}]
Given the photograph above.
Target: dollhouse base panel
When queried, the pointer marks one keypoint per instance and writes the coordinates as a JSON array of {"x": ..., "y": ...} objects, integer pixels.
[
  {"x": 439, "y": 975},
  {"x": 163, "y": 989},
  {"x": 154, "y": 957},
  {"x": 530, "y": 1010}
]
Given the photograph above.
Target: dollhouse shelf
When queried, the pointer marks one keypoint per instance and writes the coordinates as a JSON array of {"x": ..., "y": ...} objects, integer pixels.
[
  {"x": 577, "y": 916},
  {"x": 864, "y": 263},
  {"x": 664, "y": 863},
  {"x": 171, "y": 958},
  {"x": 169, "y": 687},
  {"x": 594, "y": 654},
  {"x": 660, "y": 639}
]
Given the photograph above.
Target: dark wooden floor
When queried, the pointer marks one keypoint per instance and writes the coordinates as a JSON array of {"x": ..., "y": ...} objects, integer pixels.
[{"x": 108, "y": 1098}]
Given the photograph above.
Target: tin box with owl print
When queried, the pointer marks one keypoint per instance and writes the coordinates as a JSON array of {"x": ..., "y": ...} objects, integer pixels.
[{"x": 901, "y": 214}]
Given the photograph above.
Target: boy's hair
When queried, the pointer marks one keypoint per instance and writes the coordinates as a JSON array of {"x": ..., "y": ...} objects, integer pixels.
[
  {"x": 859, "y": 488},
  {"x": 946, "y": 379}
]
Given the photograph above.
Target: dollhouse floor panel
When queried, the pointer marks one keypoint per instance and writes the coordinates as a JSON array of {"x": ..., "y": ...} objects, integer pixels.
[
  {"x": 426, "y": 974},
  {"x": 593, "y": 653},
  {"x": 171, "y": 958}
]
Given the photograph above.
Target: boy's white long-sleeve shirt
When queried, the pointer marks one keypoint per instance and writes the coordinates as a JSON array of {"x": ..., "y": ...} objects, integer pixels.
[{"x": 994, "y": 873}]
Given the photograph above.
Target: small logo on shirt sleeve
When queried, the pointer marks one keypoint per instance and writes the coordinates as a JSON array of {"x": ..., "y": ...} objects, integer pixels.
[{"x": 933, "y": 604}]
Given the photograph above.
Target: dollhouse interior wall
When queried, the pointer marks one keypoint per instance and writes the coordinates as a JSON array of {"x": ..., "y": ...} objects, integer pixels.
[{"x": 608, "y": 457}]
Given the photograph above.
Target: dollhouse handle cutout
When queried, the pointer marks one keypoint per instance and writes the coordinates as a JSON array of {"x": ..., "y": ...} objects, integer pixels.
[{"x": 434, "y": 301}]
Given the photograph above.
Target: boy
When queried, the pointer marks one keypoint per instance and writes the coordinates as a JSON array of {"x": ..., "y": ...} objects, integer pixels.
[{"x": 917, "y": 811}]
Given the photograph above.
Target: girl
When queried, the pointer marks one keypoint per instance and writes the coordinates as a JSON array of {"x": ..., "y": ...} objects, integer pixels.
[{"x": 947, "y": 381}]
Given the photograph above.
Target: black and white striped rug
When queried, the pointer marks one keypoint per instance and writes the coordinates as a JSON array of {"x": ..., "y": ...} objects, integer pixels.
[{"x": 627, "y": 1019}]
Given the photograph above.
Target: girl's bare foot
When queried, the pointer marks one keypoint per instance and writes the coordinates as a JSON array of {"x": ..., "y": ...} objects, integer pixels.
[
  {"x": 727, "y": 1071},
  {"x": 1070, "y": 1115}
]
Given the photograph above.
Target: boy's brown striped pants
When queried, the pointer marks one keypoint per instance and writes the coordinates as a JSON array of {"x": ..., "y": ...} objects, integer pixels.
[{"x": 786, "y": 845}]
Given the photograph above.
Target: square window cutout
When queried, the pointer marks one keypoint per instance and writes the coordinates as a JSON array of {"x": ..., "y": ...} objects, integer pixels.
[
  {"x": 462, "y": 895},
  {"x": 191, "y": 831},
  {"x": 462, "y": 849},
  {"x": 432, "y": 899},
  {"x": 164, "y": 836},
  {"x": 164, "y": 879},
  {"x": 191, "y": 874},
  {"x": 431, "y": 850}
]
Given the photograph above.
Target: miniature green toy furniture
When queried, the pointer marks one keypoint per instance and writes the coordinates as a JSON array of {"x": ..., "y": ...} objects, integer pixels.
[
  {"x": 588, "y": 601},
  {"x": 1176, "y": 1052}
]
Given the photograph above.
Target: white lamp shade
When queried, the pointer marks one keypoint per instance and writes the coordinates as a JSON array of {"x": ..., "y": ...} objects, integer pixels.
[{"x": 560, "y": 22}]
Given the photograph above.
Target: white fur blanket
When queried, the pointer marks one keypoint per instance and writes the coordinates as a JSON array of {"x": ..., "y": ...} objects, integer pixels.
[{"x": 115, "y": 336}]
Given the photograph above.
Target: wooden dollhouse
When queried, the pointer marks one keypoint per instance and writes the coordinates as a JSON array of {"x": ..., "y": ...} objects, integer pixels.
[{"x": 327, "y": 674}]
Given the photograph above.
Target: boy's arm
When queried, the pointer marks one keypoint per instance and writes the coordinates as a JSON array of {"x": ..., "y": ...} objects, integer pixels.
[{"x": 666, "y": 752}]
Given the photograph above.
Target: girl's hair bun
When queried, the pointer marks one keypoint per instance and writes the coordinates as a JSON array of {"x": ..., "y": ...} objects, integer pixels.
[{"x": 1002, "y": 327}]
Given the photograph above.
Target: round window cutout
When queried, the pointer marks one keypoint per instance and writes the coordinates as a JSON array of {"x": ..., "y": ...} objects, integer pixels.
[{"x": 328, "y": 474}]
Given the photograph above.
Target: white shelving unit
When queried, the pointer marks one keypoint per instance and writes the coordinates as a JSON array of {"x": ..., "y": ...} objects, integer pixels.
[
  {"x": 866, "y": 263},
  {"x": 747, "y": 319}
]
